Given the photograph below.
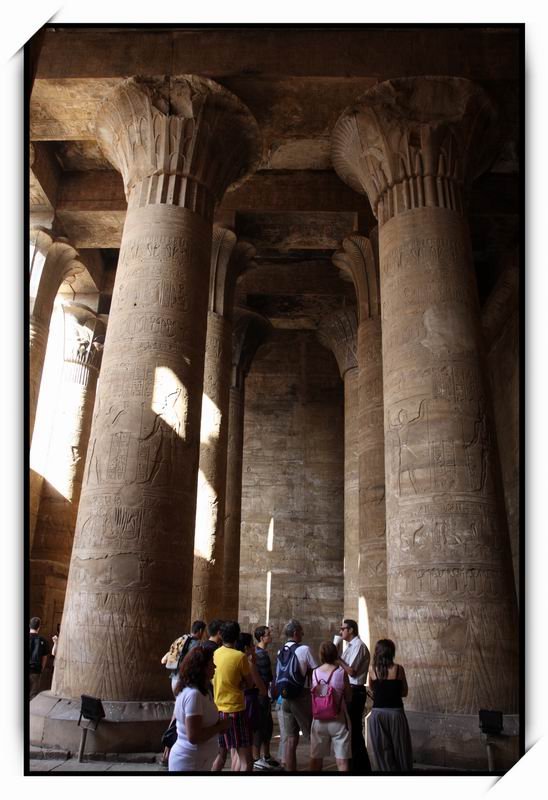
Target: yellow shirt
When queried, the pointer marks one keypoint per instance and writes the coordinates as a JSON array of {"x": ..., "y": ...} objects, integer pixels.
[{"x": 231, "y": 667}]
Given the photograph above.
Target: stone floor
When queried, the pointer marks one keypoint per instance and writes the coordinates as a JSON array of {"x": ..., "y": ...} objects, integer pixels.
[{"x": 59, "y": 762}]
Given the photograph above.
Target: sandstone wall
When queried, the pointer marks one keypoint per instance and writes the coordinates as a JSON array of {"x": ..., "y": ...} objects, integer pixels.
[{"x": 292, "y": 493}]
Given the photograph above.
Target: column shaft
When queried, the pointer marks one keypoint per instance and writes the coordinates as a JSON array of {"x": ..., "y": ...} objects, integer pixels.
[
  {"x": 52, "y": 546},
  {"x": 207, "y": 600},
  {"x": 451, "y": 603},
  {"x": 351, "y": 495},
  {"x": 372, "y": 551},
  {"x": 233, "y": 508},
  {"x": 131, "y": 570},
  {"x": 413, "y": 144},
  {"x": 38, "y": 342}
]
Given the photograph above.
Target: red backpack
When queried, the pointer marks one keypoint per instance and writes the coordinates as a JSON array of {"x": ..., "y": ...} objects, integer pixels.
[{"x": 326, "y": 704}]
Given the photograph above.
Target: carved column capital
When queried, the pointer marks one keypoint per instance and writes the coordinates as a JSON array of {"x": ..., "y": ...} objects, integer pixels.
[
  {"x": 357, "y": 263},
  {"x": 338, "y": 332},
  {"x": 41, "y": 239},
  {"x": 180, "y": 140},
  {"x": 249, "y": 332},
  {"x": 414, "y": 142},
  {"x": 84, "y": 337},
  {"x": 54, "y": 261},
  {"x": 229, "y": 260}
]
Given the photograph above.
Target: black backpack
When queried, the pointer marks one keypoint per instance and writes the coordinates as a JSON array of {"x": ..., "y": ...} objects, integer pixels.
[{"x": 289, "y": 678}]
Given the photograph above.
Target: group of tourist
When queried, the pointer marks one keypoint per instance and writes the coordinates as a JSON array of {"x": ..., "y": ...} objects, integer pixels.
[{"x": 225, "y": 688}]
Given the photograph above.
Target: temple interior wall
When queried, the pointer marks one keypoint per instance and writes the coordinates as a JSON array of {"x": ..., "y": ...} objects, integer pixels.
[{"x": 292, "y": 489}]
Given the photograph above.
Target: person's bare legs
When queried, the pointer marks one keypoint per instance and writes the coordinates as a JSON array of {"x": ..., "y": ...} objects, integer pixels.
[
  {"x": 246, "y": 762},
  {"x": 234, "y": 760},
  {"x": 220, "y": 760},
  {"x": 291, "y": 743},
  {"x": 316, "y": 764},
  {"x": 342, "y": 764}
]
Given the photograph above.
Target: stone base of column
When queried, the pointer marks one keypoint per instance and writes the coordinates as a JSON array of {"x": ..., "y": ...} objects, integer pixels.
[
  {"x": 455, "y": 741},
  {"x": 129, "y": 727}
]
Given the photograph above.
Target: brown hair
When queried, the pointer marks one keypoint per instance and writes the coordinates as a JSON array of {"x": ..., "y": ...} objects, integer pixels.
[
  {"x": 383, "y": 657},
  {"x": 328, "y": 653},
  {"x": 193, "y": 669}
]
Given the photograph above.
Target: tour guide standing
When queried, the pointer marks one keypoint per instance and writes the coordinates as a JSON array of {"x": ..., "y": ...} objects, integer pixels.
[
  {"x": 355, "y": 662},
  {"x": 293, "y": 667}
]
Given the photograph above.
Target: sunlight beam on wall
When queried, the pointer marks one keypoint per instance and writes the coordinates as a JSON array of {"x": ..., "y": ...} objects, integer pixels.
[
  {"x": 268, "y": 588},
  {"x": 363, "y": 622},
  {"x": 270, "y": 536}
]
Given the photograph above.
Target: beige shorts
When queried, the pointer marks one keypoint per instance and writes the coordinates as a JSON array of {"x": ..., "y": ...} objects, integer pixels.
[
  {"x": 324, "y": 734},
  {"x": 297, "y": 714}
]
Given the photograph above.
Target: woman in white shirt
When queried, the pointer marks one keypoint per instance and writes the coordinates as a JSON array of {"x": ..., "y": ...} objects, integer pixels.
[{"x": 198, "y": 722}]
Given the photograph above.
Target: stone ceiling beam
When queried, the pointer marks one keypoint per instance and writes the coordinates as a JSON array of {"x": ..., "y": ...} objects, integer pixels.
[
  {"x": 292, "y": 190},
  {"x": 44, "y": 179},
  {"x": 483, "y": 54}
]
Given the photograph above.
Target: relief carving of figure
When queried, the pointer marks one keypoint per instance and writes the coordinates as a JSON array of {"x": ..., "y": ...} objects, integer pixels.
[{"x": 408, "y": 455}]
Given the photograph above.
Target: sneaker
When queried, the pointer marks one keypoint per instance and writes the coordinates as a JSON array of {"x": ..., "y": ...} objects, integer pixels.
[
  {"x": 261, "y": 764},
  {"x": 272, "y": 762}
]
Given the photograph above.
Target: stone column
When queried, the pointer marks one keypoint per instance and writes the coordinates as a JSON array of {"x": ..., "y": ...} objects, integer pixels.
[
  {"x": 179, "y": 143},
  {"x": 50, "y": 555},
  {"x": 228, "y": 261},
  {"x": 338, "y": 332},
  {"x": 53, "y": 261},
  {"x": 250, "y": 331},
  {"x": 412, "y": 145},
  {"x": 358, "y": 263}
]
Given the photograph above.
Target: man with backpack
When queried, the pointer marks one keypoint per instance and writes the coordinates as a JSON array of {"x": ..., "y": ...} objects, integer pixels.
[
  {"x": 179, "y": 648},
  {"x": 293, "y": 667},
  {"x": 39, "y": 650}
]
